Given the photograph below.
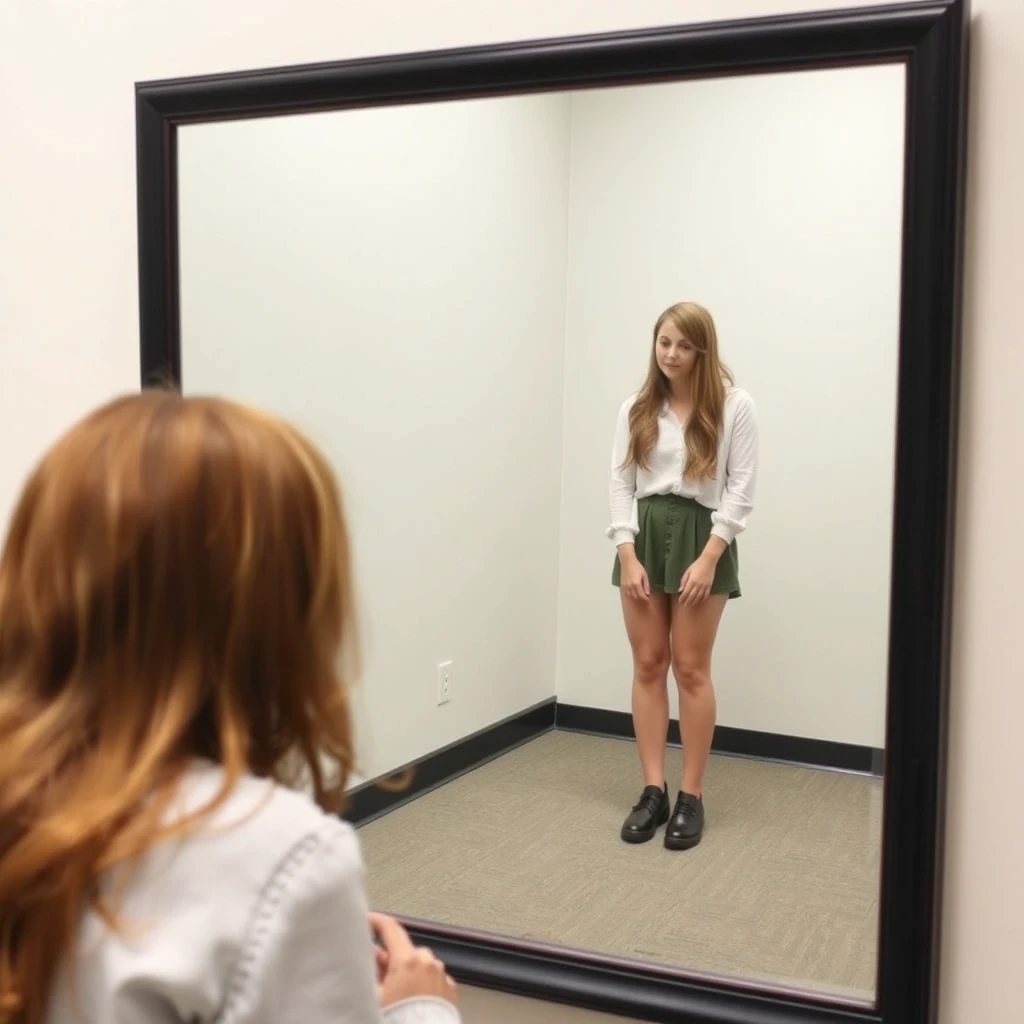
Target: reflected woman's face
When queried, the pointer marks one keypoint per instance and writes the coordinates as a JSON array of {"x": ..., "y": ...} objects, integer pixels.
[{"x": 675, "y": 355}]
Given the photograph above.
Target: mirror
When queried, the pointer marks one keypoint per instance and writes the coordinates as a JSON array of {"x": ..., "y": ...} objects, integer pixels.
[{"x": 455, "y": 299}]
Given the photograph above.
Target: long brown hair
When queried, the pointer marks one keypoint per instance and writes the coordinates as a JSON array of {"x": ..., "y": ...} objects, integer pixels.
[
  {"x": 175, "y": 584},
  {"x": 708, "y": 382}
]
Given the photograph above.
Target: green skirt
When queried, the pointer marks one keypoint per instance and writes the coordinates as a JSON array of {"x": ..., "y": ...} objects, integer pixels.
[{"x": 673, "y": 532}]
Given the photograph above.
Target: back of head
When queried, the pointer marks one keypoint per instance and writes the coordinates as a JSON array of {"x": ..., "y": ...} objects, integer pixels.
[{"x": 174, "y": 584}]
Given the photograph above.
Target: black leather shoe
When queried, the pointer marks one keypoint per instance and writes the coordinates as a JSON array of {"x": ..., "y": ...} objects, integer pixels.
[
  {"x": 687, "y": 824},
  {"x": 649, "y": 812}
]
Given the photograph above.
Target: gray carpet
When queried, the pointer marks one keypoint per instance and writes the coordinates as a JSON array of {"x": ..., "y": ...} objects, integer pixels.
[{"x": 783, "y": 889}]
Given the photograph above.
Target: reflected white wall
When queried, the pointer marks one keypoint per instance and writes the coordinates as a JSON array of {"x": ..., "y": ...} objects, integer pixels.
[
  {"x": 776, "y": 201},
  {"x": 394, "y": 281}
]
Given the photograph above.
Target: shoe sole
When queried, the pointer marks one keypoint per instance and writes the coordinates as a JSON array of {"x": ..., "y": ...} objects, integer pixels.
[
  {"x": 681, "y": 844},
  {"x": 636, "y": 838}
]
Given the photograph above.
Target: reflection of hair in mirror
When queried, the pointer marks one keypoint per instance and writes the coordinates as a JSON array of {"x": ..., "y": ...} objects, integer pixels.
[
  {"x": 397, "y": 783},
  {"x": 175, "y": 585},
  {"x": 707, "y": 379}
]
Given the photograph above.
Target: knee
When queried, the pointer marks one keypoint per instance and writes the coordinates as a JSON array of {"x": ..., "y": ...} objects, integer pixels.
[
  {"x": 691, "y": 676},
  {"x": 650, "y": 665}
]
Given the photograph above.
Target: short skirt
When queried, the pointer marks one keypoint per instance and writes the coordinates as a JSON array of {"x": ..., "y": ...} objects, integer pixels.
[{"x": 673, "y": 532}]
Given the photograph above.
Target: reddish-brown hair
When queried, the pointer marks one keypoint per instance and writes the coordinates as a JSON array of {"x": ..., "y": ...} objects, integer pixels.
[{"x": 175, "y": 584}]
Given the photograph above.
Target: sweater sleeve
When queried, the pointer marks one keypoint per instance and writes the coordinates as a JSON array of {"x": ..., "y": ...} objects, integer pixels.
[
  {"x": 623, "y": 527},
  {"x": 730, "y": 519},
  {"x": 308, "y": 956}
]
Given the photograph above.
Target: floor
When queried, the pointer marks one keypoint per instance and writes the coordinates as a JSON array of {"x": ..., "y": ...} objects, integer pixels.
[{"x": 783, "y": 889}]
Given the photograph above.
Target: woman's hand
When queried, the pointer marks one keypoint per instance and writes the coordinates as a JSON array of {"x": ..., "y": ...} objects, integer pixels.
[
  {"x": 696, "y": 583},
  {"x": 633, "y": 576},
  {"x": 405, "y": 971}
]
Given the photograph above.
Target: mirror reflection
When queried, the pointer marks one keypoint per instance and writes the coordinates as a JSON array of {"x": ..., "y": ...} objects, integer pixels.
[{"x": 609, "y": 379}]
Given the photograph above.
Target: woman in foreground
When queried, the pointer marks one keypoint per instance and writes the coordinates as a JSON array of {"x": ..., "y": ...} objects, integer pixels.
[{"x": 176, "y": 639}]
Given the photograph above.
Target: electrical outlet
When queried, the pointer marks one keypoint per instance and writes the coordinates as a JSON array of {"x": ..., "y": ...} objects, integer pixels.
[{"x": 444, "y": 681}]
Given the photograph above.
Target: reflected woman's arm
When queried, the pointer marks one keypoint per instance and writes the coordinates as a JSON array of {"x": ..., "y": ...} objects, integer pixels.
[
  {"x": 622, "y": 528},
  {"x": 729, "y": 520}
]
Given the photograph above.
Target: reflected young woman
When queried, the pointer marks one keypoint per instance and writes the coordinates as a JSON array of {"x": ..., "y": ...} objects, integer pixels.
[
  {"x": 684, "y": 470},
  {"x": 176, "y": 641}
]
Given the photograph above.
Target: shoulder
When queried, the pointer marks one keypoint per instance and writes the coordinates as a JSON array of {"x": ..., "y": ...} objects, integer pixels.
[
  {"x": 627, "y": 405},
  {"x": 739, "y": 402},
  {"x": 738, "y": 397},
  {"x": 257, "y": 828}
]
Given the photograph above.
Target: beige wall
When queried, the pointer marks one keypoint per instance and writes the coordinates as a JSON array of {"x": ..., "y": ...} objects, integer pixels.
[{"x": 68, "y": 332}]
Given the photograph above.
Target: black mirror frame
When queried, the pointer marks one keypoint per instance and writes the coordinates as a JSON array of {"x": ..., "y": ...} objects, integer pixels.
[{"x": 931, "y": 38}]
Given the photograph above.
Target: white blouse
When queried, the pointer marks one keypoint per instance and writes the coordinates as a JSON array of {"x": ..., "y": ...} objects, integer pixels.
[{"x": 729, "y": 495}]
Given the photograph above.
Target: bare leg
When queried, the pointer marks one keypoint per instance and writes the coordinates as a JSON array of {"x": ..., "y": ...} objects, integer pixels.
[
  {"x": 647, "y": 626},
  {"x": 693, "y": 639}
]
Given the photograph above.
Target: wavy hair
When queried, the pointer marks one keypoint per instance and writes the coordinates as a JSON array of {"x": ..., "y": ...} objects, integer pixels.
[
  {"x": 175, "y": 584},
  {"x": 708, "y": 383}
]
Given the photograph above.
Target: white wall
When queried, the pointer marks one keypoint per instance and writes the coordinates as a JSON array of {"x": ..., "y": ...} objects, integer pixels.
[
  {"x": 393, "y": 281},
  {"x": 776, "y": 201},
  {"x": 68, "y": 332}
]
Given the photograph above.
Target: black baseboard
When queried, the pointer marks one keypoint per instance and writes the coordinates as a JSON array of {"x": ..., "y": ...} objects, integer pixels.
[
  {"x": 370, "y": 800},
  {"x": 767, "y": 746}
]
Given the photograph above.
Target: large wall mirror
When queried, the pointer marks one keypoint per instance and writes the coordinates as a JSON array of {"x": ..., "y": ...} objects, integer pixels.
[{"x": 451, "y": 269}]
